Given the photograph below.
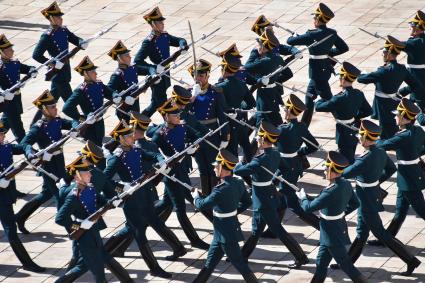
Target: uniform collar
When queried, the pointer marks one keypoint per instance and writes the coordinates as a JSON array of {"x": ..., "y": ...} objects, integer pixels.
[{"x": 123, "y": 66}]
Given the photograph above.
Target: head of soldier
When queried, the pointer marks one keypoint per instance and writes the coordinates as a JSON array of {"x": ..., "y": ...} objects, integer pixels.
[
  {"x": 230, "y": 65},
  {"x": 155, "y": 19},
  {"x": 3, "y": 131},
  {"x": 80, "y": 170},
  {"x": 225, "y": 162},
  {"x": 47, "y": 104},
  {"x": 123, "y": 133},
  {"x": 334, "y": 165},
  {"x": 87, "y": 69},
  {"x": 201, "y": 73},
  {"x": 120, "y": 53},
  {"x": 6, "y": 48},
  {"x": 369, "y": 133},
  {"x": 139, "y": 123},
  {"x": 348, "y": 75},
  {"x": 322, "y": 15},
  {"x": 267, "y": 135},
  {"x": 267, "y": 41},
  {"x": 392, "y": 48},
  {"x": 293, "y": 107},
  {"x": 91, "y": 153},
  {"x": 53, "y": 14},
  {"x": 406, "y": 113},
  {"x": 170, "y": 112},
  {"x": 180, "y": 96},
  {"x": 417, "y": 24}
]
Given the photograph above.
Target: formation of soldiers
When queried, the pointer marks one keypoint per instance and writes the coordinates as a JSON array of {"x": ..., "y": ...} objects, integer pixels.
[{"x": 209, "y": 122}]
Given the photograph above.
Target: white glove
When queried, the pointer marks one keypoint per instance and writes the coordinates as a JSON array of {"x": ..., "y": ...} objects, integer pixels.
[
  {"x": 265, "y": 80},
  {"x": 86, "y": 224},
  {"x": 59, "y": 65},
  {"x": 117, "y": 202},
  {"x": 33, "y": 73},
  {"x": 232, "y": 115},
  {"x": 117, "y": 99},
  {"x": 191, "y": 150},
  {"x": 183, "y": 51},
  {"x": 61, "y": 183},
  {"x": 73, "y": 134},
  {"x": 129, "y": 100},
  {"x": 106, "y": 152},
  {"x": 196, "y": 90},
  {"x": 83, "y": 44},
  {"x": 298, "y": 55},
  {"x": 161, "y": 169},
  {"x": 301, "y": 194},
  {"x": 47, "y": 156},
  {"x": 8, "y": 95},
  {"x": 1, "y": 98},
  {"x": 4, "y": 183},
  {"x": 224, "y": 144},
  {"x": 159, "y": 69},
  {"x": 195, "y": 194},
  {"x": 157, "y": 81},
  {"x": 127, "y": 188},
  {"x": 90, "y": 119}
]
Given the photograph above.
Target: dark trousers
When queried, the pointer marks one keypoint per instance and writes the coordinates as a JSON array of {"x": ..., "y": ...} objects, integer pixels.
[{"x": 233, "y": 252}]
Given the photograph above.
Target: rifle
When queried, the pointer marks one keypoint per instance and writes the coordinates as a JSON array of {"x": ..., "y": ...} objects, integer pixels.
[
  {"x": 376, "y": 35},
  {"x": 53, "y": 71},
  {"x": 275, "y": 24},
  {"x": 280, "y": 179}
]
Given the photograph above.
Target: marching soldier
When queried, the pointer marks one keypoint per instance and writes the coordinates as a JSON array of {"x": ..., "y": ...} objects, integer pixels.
[
  {"x": 124, "y": 76},
  {"x": 55, "y": 40},
  {"x": 408, "y": 145},
  {"x": 227, "y": 199},
  {"x": 172, "y": 137},
  {"x": 332, "y": 203},
  {"x": 208, "y": 106},
  {"x": 347, "y": 107},
  {"x": 80, "y": 203},
  {"x": 8, "y": 197},
  {"x": 414, "y": 49},
  {"x": 156, "y": 46},
  {"x": 10, "y": 71},
  {"x": 387, "y": 80},
  {"x": 320, "y": 65},
  {"x": 45, "y": 132},
  {"x": 264, "y": 195},
  {"x": 370, "y": 169}
]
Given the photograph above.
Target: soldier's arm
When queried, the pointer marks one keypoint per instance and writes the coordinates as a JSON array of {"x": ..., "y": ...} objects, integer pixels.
[
  {"x": 111, "y": 167},
  {"x": 109, "y": 92},
  {"x": 287, "y": 49},
  {"x": 246, "y": 169},
  {"x": 221, "y": 107},
  {"x": 389, "y": 170},
  {"x": 248, "y": 99},
  {"x": 63, "y": 216},
  {"x": 392, "y": 143},
  {"x": 17, "y": 149},
  {"x": 323, "y": 105},
  {"x": 144, "y": 71},
  {"x": 69, "y": 124},
  {"x": 413, "y": 83},
  {"x": 40, "y": 49},
  {"x": 24, "y": 68},
  {"x": 73, "y": 38},
  {"x": 114, "y": 81},
  {"x": 142, "y": 54},
  {"x": 303, "y": 39},
  {"x": 322, "y": 201},
  {"x": 352, "y": 204},
  {"x": 207, "y": 202},
  {"x": 30, "y": 139},
  {"x": 340, "y": 46},
  {"x": 177, "y": 41},
  {"x": 245, "y": 201},
  {"x": 308, "y": 148},
  {"x": 70, "y": 106},
  {"x": 354, "y": 170},
  {"x": 253, "y": 55},
  {"x": 365, "y": 108},
  {"x": 109, "y": 187},
  {"x": 370, "y": 77},
  {"x": 421, "y": 119}
]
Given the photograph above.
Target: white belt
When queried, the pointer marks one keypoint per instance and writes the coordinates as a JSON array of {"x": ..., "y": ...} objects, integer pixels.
[
  {"x": 262, "y": 184},
  {"x": 346, "y": 122},
  {"x": 408, "y": 162},
  {"x": 385, "y": 95},
  {"x": 319, "y": 56},
  {"x": 288, "y": 155},
  {"x": 209, "y": 121},
  {"x": 225, "y": 215},
  {"x": 414, "y": 66},
  {"x": 328, "y": 217},
  {"x": 270, "y": 85},
  {"x": 367, "y": 185}
]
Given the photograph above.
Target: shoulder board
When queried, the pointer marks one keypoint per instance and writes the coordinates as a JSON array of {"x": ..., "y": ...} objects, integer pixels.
[
  {"x": 119, "y": 71},
  {"x": 38, "y": 123},
  {"x": 150, "y": 36},
  {"x": 364, "y": 154},
  {"x": 217, "y": 89},
  {"x": 261, "y": 154},
  {"x": 221, "y": 184},
  {"x": 48, "y": 31},
  {"x": 118, "y": 151},
  {"x": 82, "y": 86},
  {"x": 329, "y": 187}
]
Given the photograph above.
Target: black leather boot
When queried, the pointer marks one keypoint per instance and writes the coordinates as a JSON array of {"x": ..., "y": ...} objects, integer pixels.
[
  {"x": 23, "y": 256},
  {"x": 296, "y": 250},
  {"x": 25, "y": 212},
  {"x": 171, "y": 239},
  {"x": 393, "y": 229},
  {"x": 400, "y": 250},
  {"x": 190, "y": 232},
  {"x": 203, "y": 275},
  {"x": 117, "y": 245},
  {"x": 152, "y": 263},
  {"x": 20, "y": 194},
  {"x": 250, "y": 278},
  {"x": 360, "y": 279},
  {"x": 317, "y": 279},
  {"x": 354, "y": 252},
  {"x": 249, "y": 246},
  {"x": 118, "y": 271},
  {"x": 67, "y": 278}
]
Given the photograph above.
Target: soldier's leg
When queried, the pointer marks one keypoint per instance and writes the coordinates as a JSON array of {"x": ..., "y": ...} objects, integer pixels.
[
  {"x": 15, "y": 124},
  {"x": 339, "y": 253},
  {"x": 60, "y": 89},
  {"x": 244, "y": 143},
  {"x": 322, "y": 262},
  {"x": 117, "y": 244},
  {"x": 75, "y": 272},
  {"x": 416, "y": 200},
  {"x": 215, "y": 253},
  {"x": 258, "y": 225},
  {"x": 233, "y": 252},
  {"x": 309, "y": 102},
  {"x": 93, "y": 260},
  {"x": 159, "y": 96},
  {"x": 164, "y": 207}
]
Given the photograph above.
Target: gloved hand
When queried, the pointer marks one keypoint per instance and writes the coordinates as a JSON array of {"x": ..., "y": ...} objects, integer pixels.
[
  {"x": 117, "y": 100},
  {"x": 73, "y": 134},
  {"x": 31, "y": 157},
  {"x": 224, "y": 144},
  {"x": 58, "y": 65},
  {"x": 192, "y": 150},
  {"x": 8, "y": 95},
  {"x": 86, "y": 224},
  {"x": 183, "y": 49},
  {"x": 90, "y": 119},
  {"x": 83, "y": 44},
  {"x": 61, "y": 183},
  {"x": 33, "y": 72},
  {"x": 127, "y": 188},
  {"x": 161, "y": 168},
  {"x": 47, "y": 156},
  {"x": 301, "y": 194},
  {"x": 196, "y": 90},
  {"x": 116, "y": 202},
  {"x": 265, "y": 80},
  {"x": 298, "y": 55},
  {"x": 129, "y": 100},
  {"x": 159, "y": 69},
  {"x": 232, "y": 115},
  {"x": 1, "y": 98},
  {"x": 4, "y": 183},
  {"x": 157, "y": 81},
  {"x": 195, "y": 194}
]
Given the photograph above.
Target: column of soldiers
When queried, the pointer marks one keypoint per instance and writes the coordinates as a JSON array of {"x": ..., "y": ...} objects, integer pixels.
[{"x": 209, "y": 122}]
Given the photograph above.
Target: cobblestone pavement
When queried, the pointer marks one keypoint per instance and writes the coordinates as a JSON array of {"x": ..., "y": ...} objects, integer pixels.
[{"x": 48, "y": 244}]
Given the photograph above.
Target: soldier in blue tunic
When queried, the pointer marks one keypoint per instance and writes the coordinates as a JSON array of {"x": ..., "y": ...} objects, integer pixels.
[
  {"x": 264, "y": 195},
  {"x": 83, "y": 200},
  {"x": 124, "y": 76},
  {"x": 10, "y": 71},
  {"x": 55, "y": 40},
  {"x": 44, "y": 132},
  {"x": 320, "y": 66},
  {"x": 387, "y": 80},
  {"x": 347, "y": 107},
  {"x": 156, "y": 46},
  {"x": 414, "y": 49},
  {"x": 227, "y": 199},
  {"x": 7, "y": 199},
  {"x": 208, "y": 106},
  {"x": 332, "y": 203},
  {"x": 370, "y": 169}
]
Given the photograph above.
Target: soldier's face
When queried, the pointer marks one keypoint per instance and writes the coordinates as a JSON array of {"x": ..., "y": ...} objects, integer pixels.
[
  {"x": 414, "y": 30},
  {"x": 51, "y": 110},
  {"x": 85, "y": 176},
  {"x": 158, "y": 26},
  {"x": 91, "y": 75},
  {"x": 125, "y": 59},
  {"x": 385, "y": 55},
  {"x": 7, "y": 53},
  {"x": 173, "y": 119},
  {"x": 202, "y": 78},
  {"x": 56, "y": 20},
  {"x": 128, "y": 140}
]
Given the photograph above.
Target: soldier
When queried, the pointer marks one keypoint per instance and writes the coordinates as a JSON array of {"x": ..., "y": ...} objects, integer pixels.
[
  {"x": 55, "y": 40},
  {"x": 264, "y": 195},
  {"x": 124, "y": 76},
  {"x": 320, "y": 65},
  {"x": 332, "y": 203},
  {"x": 370, "y": 169},
  {"x": 237, "y": 96},
  {"x": 208, "y": 106},
  {"x": 10, "y": 71},
  {"x": 172, "y": 137},
  {"x": 408, "y": 145},
  {"x": 44, "y": 132},
  {"x": 89, "y": 96},
  {"x": 227, "y": 199},
  {"x": 156, "y": 46},
  {"x": 387, "y": 80},
  {"x": 415, "y": 46},
  {"x": 347, "y": 107},
  {"x": 80, "y": 203},
  {"x": 8, "y": 198}
]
